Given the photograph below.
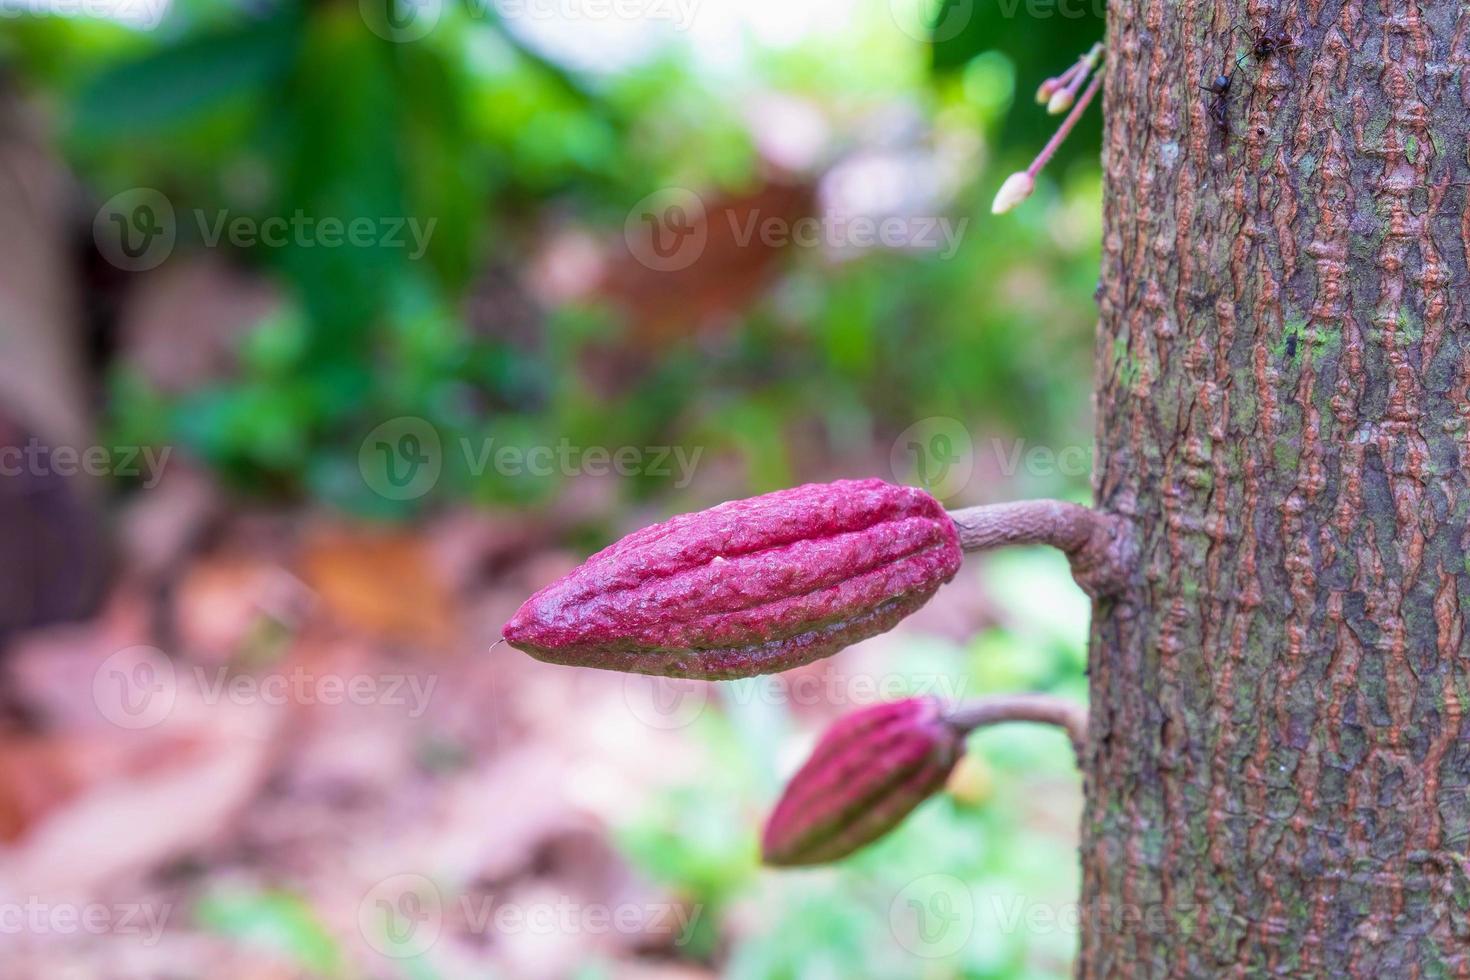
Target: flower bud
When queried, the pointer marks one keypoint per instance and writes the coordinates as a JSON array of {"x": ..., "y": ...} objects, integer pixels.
[{"x": 1017, "y": 188}]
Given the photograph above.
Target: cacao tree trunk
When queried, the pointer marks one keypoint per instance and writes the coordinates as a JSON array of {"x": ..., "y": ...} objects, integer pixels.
[{"x": 1279, "y": 750}]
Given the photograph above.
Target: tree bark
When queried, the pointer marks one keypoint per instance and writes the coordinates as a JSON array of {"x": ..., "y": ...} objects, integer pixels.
[
  {"x": 52, "y": 545},
  {"x": 1279, "y": 748}
]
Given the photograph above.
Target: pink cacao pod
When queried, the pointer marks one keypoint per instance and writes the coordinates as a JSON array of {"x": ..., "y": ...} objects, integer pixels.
[
  {"x": 869, "y": 770},
  {"x": 748, "y": 587}
]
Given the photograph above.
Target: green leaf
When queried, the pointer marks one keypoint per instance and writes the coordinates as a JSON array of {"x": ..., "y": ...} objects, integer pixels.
[
  {"x": 276, "y": 920},
  {"x": 185, "y": 80}
]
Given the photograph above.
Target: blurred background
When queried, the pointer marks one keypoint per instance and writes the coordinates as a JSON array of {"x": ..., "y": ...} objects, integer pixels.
[{"x": 330, "y": 331}]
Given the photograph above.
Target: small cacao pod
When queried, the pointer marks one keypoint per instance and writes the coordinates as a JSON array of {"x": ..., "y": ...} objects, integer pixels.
[
  {"x": 748, "y": 587},
  {"x": 867, "y": 773}
]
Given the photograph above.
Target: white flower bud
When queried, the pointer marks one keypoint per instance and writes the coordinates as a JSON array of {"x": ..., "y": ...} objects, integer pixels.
[{"x": 1017, "y": 188}]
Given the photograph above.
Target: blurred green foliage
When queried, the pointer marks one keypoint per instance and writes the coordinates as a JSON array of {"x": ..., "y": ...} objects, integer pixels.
[
  {"x": 276, "y": 920},
  {"x": 290, "y": 108}
]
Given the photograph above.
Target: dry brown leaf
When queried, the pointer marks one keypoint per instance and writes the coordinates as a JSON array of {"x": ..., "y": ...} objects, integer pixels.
[
  {"x": 39, "y": 773},
  {"x": 221, "y": 601},
  {"x": 162, "y": 793},
  {"x": 381, "y": 583},
  {"x": 727, "y": 274}
]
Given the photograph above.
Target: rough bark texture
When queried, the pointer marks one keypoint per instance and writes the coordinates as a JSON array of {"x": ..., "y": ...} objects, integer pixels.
[{"x": 1279, "y": 748}]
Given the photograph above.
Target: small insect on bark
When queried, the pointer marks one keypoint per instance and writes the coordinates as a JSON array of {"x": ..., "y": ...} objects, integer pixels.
[
  {"x": 1219, "y": 87},
  {"x": 1264, "y": 43}
]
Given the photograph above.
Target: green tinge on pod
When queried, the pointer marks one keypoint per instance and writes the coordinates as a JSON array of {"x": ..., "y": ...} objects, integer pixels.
[{"x": 868, "y": 772}]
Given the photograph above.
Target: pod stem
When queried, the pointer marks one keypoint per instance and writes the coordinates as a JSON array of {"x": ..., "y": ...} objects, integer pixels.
[
  {"x": 1098, "y": 545},
  {"x": 1057, "y": 138},
  {"x": 1045, "y": 709}
]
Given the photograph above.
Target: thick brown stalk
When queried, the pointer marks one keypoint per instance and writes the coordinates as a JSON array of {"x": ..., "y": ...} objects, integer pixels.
[
  {"x": 1098, "y": 545},
  {"x": 1045, "y": 709}
]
